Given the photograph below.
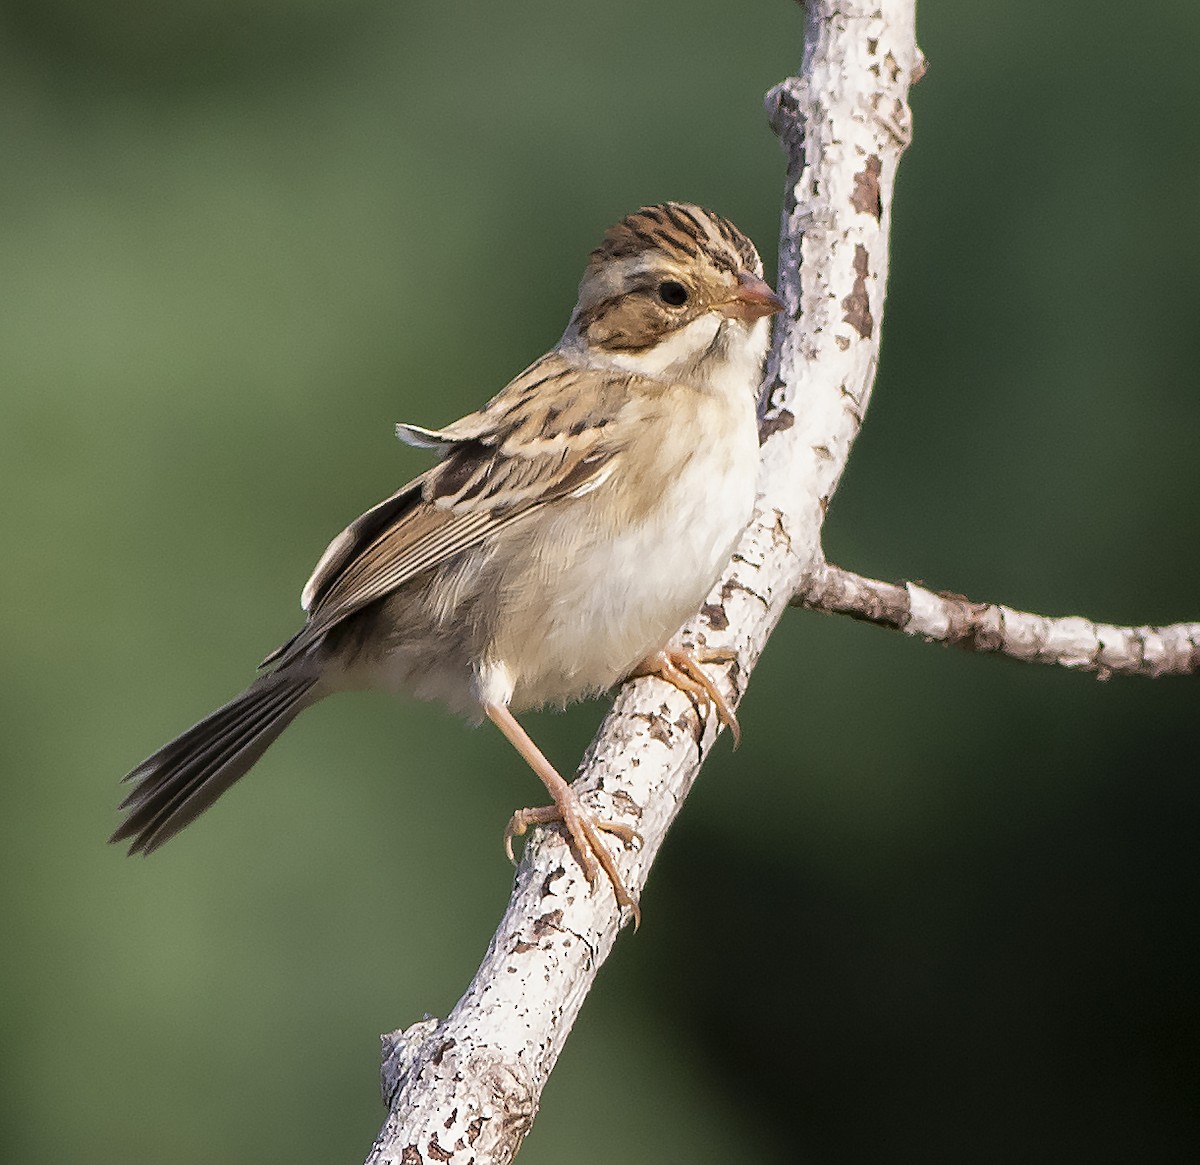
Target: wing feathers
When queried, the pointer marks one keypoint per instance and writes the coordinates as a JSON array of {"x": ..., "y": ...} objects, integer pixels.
[
  {"x": 360, "y": 532},
  {"x": 540, "y": 440}
]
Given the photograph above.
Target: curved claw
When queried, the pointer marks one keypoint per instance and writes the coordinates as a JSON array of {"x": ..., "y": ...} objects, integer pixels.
[
  {"x": 681, "y": 668},
  {"x": 583, "y": 833}
]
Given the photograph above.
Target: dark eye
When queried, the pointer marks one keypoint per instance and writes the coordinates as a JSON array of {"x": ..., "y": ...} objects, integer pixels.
[{"x": 672, "y": 293}]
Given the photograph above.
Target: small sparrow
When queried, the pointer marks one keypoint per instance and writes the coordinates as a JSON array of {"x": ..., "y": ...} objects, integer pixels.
[{"x": 569, "y": 529}]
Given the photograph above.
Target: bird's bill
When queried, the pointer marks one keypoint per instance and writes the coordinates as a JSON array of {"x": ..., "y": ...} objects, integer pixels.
[{"x": 753, "y": 299}]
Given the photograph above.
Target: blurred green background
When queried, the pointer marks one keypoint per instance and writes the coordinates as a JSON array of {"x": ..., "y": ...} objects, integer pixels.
[{"x": 937, "y": 907}]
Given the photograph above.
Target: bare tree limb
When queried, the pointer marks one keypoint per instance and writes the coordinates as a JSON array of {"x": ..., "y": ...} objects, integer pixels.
[
  {"x": 944, "y": 617},
  {"x": 466, "y": 1089}
]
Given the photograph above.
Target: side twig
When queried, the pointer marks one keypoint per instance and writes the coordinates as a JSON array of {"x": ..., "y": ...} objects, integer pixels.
[{"x": 944, "y": 617}]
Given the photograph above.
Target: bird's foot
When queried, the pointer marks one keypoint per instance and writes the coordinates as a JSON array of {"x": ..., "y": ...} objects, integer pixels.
[
  {"x": 681, "y": 668},
  {"x": 583, "y": 830}
]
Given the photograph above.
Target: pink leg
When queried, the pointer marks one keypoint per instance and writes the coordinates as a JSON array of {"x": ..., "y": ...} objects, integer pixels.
[{"x": 582, "y": 828}]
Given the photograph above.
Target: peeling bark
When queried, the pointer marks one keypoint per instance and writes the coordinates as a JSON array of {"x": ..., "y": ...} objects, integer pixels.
[{"x": 1066, "y": 640}]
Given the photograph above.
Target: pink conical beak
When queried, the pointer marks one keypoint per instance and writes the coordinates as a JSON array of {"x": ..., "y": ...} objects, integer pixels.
[{"x": 754, "y": 299}]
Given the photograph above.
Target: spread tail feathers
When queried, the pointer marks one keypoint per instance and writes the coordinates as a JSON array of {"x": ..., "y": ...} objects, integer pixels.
[{"x": 182, "y": 779}]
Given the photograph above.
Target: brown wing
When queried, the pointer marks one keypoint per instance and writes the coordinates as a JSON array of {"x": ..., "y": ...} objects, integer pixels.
[
  {"x": 357, "y": 536},
  {"x": 541, "y": 439}
]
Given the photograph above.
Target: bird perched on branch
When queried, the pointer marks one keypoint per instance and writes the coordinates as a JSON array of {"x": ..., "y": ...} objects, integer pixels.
[{"x": 569, "y": 529}]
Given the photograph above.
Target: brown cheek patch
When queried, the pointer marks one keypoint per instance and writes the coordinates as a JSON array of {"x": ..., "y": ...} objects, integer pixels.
[{"x": 629, "y": 325}]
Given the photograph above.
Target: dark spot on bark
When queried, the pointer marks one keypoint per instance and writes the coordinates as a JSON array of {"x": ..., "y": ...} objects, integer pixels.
[
  {"x": 439, "y": 1055},
  {"x": 778, "y": 422},
  {"x": 659, "y": 728},
  {"x": 411, "y": 1156},
  {"x": 550, "y": 921},
  {"x": 866, "y": 198},
  {"x": 734, "y": 584},
  {"x": 983, "y": 637},
  {"x": 891, "y": 609},
  {"x": 972, "y": 626},
  {"x": 474, "y": 1129},
  {"x": 714, "y": 613},
  {"x": 851, "y": 404},
  {"x": 623, "y": 801},
  {"x": 436, "y": 1151},
  {"x": 553, "y": 876},
  {"x": 520, "y": 947},
  {"x": 779, "y": 534},
  {"x": 857, "y": 303}
]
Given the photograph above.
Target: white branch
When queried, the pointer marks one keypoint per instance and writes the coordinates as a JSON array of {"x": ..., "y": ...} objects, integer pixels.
[
  {"x": 467, "y": 1089},
  {"x": 943, "y": 617}
]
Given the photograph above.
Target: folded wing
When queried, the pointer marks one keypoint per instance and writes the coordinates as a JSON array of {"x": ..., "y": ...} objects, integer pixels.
[{"x": 537, "y": 442}]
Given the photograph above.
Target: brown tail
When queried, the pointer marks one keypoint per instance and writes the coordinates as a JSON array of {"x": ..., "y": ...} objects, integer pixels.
[{"x": 175, "y": 785}]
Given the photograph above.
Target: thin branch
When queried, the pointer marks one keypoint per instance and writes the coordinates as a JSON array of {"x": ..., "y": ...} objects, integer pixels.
[
  {"x": 466, "y": 1089},
  {"x": 944, "y": 617}
]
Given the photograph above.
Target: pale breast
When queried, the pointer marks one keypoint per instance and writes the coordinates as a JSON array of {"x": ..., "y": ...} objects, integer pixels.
[{"x": 609, "y": 578}]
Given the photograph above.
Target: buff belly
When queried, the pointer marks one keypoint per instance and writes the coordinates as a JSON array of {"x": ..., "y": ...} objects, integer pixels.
[{"x": 599, "y": 601}]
